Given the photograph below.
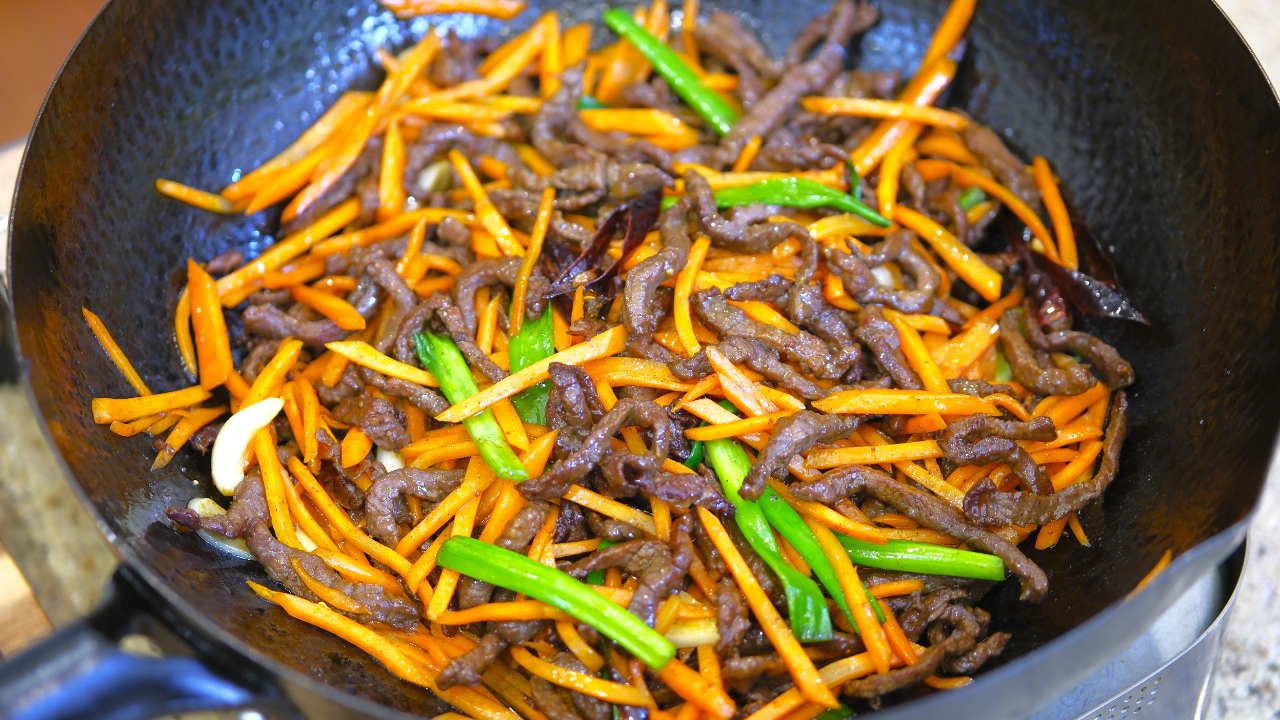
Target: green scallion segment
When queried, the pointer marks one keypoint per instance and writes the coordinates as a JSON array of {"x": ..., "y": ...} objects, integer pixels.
[{"x": 914, "y": 557}]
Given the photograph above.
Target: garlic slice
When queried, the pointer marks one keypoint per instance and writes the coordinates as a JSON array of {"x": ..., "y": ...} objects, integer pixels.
[
  {"x": 390, "y": 459},
  {"x": 692, "y": 633},
  {"x": 227, "y": 459},
  {"x": 206, "y": 507}
]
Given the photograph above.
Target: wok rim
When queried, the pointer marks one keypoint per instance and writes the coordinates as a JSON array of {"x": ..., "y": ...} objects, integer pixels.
[{"x": 1219, "y": 545}]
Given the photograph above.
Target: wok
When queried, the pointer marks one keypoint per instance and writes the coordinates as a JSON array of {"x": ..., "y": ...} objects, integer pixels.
[{"x": 1157, "y": 118}]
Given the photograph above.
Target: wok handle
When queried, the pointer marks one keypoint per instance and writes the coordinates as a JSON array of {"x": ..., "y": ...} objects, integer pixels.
[{"x": 80, "y": 672}]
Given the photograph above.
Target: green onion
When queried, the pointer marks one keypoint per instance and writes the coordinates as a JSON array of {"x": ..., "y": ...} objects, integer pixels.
[
  {"x": 791, "y": 192},
  {"x": 1004, "y": 373},
  {"x": 810, "y": 620},
  {"x": 971, "y": 197},
  {"x": 596, "y": 577},
  {"x": 695, "y": 455},
  {"x": 445, "y": 361},
  {"x": 843, "y": 712},
  {"x": 914, "y": 557},
  {"x": 521, "y": 574},
  {"x": 678, "y": 75},
  {"x": 586, "y": 102},
  {"x": 535, "y": 342}
]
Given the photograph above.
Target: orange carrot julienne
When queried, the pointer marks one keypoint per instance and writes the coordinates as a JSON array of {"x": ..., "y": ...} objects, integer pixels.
[
  {"x": 109, "y": 410},
  {"x": 586, "y": 654},
  {"x": 412, "y": 250},
  {"x": 611, "y": 508},
  {"x": 634, "y": 372},
  {"x": 896, "y": 637},
  {"x": 474, "y": 483},
  {"x": 536, "y": 238},
  {"x": 463, "y": 522},
  {"x": 761, "y": 423},
  {"x": 330, "y": 306},
  {"x": 748, "y": 154},
  {"x": 944, "y": 143},
  {"x": 737, "y": 388},
  {"x": 271, "y": 377},
  {"x": 897, "y": 587},
  {"x": 898, "y": 110},
  {"x": 196, "y": 198},
  {"x": 997, "y": 308},
  {"x": 114, "y": 352},
  {"x": 903, "y": 402},
  {"x": 552, "y": 62},
  {"x": 965, "y": 262},
  {"x": 684, "y": 289},
  {"x": 606, "y": 344},
  {"x": 1069, "y": 408},
  {"x": 892, "y": 453},
  {"x": 698, "y": 689},
  {"x": 1057, "y": 213},
  {"x": 927, "y": 423},
  {"x": 765, "y": 313},
  {"x": 580, "y": 682},
  {"x": 968, "y": 176},
  {"x": 327, "y": 595},
  {"x": 923, "y": 89},
  {"x": 870, "y": 629},
  {"x": 917, "y": 354},
  {"x": 965, "y": 348},
  {"x": 775, "y": 628},
  {"x": 950, "y": 30},
  {"x": 304, "y": 519},
  {"x": 182, "y": 333},
  {"x": 500, "y": 9},
  {"x": 364, "y": 354},
  {"x": 354, "y": 572},
  {"x": 273, "y": 481},
  {"x": 488, "y": 215},
  {"x": 213, "y": 345},
  {"x": 1077, "y": 529},
  {"x": 355, "y": 447},
  {"x": 391, "y": 192},
  {"x": 186, "y": 427},
  {"x": 306, "y": 271}
]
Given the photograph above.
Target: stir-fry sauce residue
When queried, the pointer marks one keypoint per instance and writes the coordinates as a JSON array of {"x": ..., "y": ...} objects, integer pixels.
[{"x": 664, "y": 376}]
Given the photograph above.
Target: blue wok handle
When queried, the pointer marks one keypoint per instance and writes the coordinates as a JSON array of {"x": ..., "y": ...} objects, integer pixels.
[{"x": 80, "y": 673}]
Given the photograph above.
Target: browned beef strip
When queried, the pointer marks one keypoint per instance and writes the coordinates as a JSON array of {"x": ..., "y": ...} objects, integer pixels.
[
  {"x": 641, "y": 311},
  {"x": 784, "y": 155},
  {"x": 659, "y": 569},
  {"x": 257, "y": 359},
  {"x": 612, "y": 529},
  {"x": 426, "y": 399},
  {"x": 203, "y": 438},
  {"x": 549, "y": 128},
  {"x": 455, "y": 63},
  {"x": 552, "y": 700},
  {"x": 467, "y": 668},
  {"x": 571, "y": 523},
  {"x": 384, "y": 425},
  {"x": 1009, "y": 168},
  {"x": 631, "y": 475},
  {"x": 978, "y": 388},
  {"x": 971, "y": 661},
  {"x": 1041, "y": 378},
  {"x": 741, "y": 672},
  {"x": 732, "y": 621},
  {"x": 385, "y": 492},
  {"x": 383, "y": 272},
  {"x": 633, "y": 179},
  {"x": 621, "y": 147},
  {"x": 452, "y": 318},
  {"x": 1115, "y": 370},
  {"x": 809, "y": 78},
  {"x": 627, "y": 412},
  {"x": 976, "y": 589},
  {"x": 515, "y": 537},
  {"x": 854, "y": 268},
  {"x": 573, "y": 407},
  {"x": 791, "y": 436},
  {"x": 804, "y": 42},
  {"x": 760, "y": 358},
  {"x": 368, "y": 162},
  {"x": 960, "y": 641},
  {"x": 749, "y": 45},
  {"x": 657, "y": 95},
  {"x": 929, "y": 511},
  {"x": 271, "y": 321},
  {"x": 721, "y": 42},
  {"x": 926, "y": 609},
  {"x": 981, "y": 439},
  {"x": 739, "y": 237},
  {"x": 478, "y": 274},
  {"x": 807, "y": 308},
  {"x": 224, "y": 263},
  {"x": 985, "y": 504},
  {"x": 589, "y": 707},
  {"x": 248, "y": 518},
  {"x": 882, "y": 337},
  {"x": 271, "y": 297},
  {"x": 727, "y": 321}
]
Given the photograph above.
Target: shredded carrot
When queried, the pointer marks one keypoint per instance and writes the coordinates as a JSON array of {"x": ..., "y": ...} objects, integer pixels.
[
  {"x": 1050, "y": 533},
  {"x": 897, "y": 587},
  {"x": 700, "y": 690},
  {"x": 833, "y": 674},
  {"x": 196, "y": 198},
  {"x": 488, "y": 215},
  {"x": 947, "y": 144},
  {"x": 737, "y": 388},
  {"x": 968, "y": 176},
  {"x": 391, "y": 192},
  {"x": 894, "y": 109},
  {"x": 684, "y": 289},
  {"x": 109, "y": 410},
  {"x": 947, "y": 683},
  {"x": 304, "y": 519},
  {"x": 761, "y": 423},
  {"x": 892, "y": 453},
  {"x": 611, "y": 508},
  {"x": 273, "y": 481},
  {"x": 923, "y": 89},
  {"x": 1057, "y": 213},
  {"x": 535, "y": 459},
  {"x": 474, "y": 483},
  {"x": 327, "y": 595},
  {"x": 364, "y": 354},
  {"x": 917, "y": 354},
  {"x": 355, "y": 447},
  {"x": 536, "y": 238},
  {"x": 927, "y": 423},
  {"x": 965, "y": 262},
  {"x": 330, "y": 306},
  {"x": 636, "y": 372},
  {"x": 580, "y": 682},
  {"x": 903, "y": 402},
  {"x": 534, "y": 159},
  {"x": 965, "y": 348},
  {"x": 608, "y": 343},
  {"x": 463, "y": 522},
  {"x": 950, "y": 30},
  {"x": 441, "y": 452},
  {"x": 1070, "y": 408},
  {"x": 355, "y": 572},
  {"x": 896, "y": 638},
  {"x": 775, "y": 628},
  {"x": 748, "y": 154},
  {"x": 1154, "y": 573},
  {"x": 1076, "y": 468},
  {"x": 114, "y": 352},
  {"x": 340, "y": 520},
  {"x": 993, "y": 312},
  {"x": 568, "y": 632},
  {"x": 522, "y": 53},
  {"x": 186, "y": 427},
  {"x": 500, "y": 9},
  {"x": 307, "y": 270},
  {"x": 1077, "y": 529},
  {"x": 182, "y": 333},
  {"x": 928, "y": 480},
  {"x": 765, "y": 313},
  {"x": 270, "y": 379},
  {"x": 213, "y": 345},
  {"x": 870, "y": 630},
  {"x": 576, "y": 41}
]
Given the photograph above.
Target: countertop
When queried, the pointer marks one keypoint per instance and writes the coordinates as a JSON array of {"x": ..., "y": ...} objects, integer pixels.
[{"x": 56, "y": 546}]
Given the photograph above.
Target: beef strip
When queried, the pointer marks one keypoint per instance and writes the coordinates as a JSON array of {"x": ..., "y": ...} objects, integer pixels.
[
  {"x": 515, "y": 537},
  {"x": 742, "y": 237},
  {"x": 248, "y": 518},
  {"x": 659, "y": 569},
  {"x": 723, "y": 43},
  {"x": 627, "y": 412},
  {"x": 980, "y": 440},
  {"x": 257, "y": 359},
  {"x": 641, "y": 311},
  {"x": 732, "y": 620},
  {"x": 1009, "y": 168},
  {"x": 882, "y": 338},
  {"x": 271, "y": 321},
  {"x": 426, "y": 399},
  {"x": 854, "y": 268},
  {"x": 1115, "y": 370},
  {"x": 960, "y": 641},
  {"x": 760, "y": 358},
  {"x": 1043, "y": 378},
  {"x": 791, "y": 436},
  {"x": 573, "y": 407},
  {"x": 384, "y": 425},
  {"x": 985, "y": 504},
  {"x": 554, "y": 701},
  {"x": 930, "y": 512},
  {"x": 467, "y": 668},
  {"x": 482, "y": 273},
  {"x": 224, "y": 263},
  {"x": 517, "y": 204},
  {"x": 403, "y": 298},
  {"x": 631, "y": 475},
  {"x": 978, "y": 388},
  {"x": 809, "y": 351},
  {"x": 384, "y": 494}
]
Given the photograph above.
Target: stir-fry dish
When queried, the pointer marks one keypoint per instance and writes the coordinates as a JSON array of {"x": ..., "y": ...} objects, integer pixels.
[{"x": 671, "y": 380}]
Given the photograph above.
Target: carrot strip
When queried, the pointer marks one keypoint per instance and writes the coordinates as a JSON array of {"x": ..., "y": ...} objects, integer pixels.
[
  {"x": 775, "y": 628},
  {"x": 896, "y": 637},
  {"x": 923, "y": 89},
  {"x": 271, "y": 378},
  {"x": 330, "y": 306},
  {"x": 1070, "y": 408},
  {"x": 1050, "y": 533},
  {"x": 1077, "y": 529},
  {"x": 213, "y": 345},
  {"x": 306, "y": 271},
  {"x": 748, "y": 153},
  {"x": 964, "y": 349},
  {"x": 391, "y": 192},
  {"x": 114, "y": 352},
  {"x": 500, "y": 9},
  {"x": 960, "y": 258},
  {"x": 580, "y": 682},
  {"x": 327, "y": 595},
  {"x": 536, "y": 238},
  {"x": 182, "y": 333},
  {"x": 833, "y": 674},
  {"x": 606, "y": 344},
  {"x": 303, "y": 518},
  {"x": 684, "y": 288},
  {"x": 552, "y": 61},
  {"x": 364, "y": 354},
  {"x": 903, "y": 402},
  {"x": 109, "y": 410},
  {"x": 390, "y": 93},
  {"x": 1076, "y": 468},
  {"x": 894, "y": 109},
  {"x": 477, "y": 479},
  {"x": 700, "y": 690},
  {"x": 897, "y": 587},
  {"x": 612, "y": 508},
  {"x": 927, "y": 423},
  {"x": 765, "y": 313},
  {"x": 635, "y": 372},
  {"x": 950, "y": 30},
  {"x": 737, "y": 388},
  {"x": 870, "y": 630},
  {"x": 463, "y": 522},
  {"x": 355, "y": 572},
  {"x": 489, "y": 217},
  {"x": 273, "y": 481},
  {"x": 339, "y": 519},
  {"x": 993, "y": 312},
  {"x": 568, "y": 632},
  {"x": 917, "y": 354},
  {"x": 355, "y": 447},
  {"x": 186, "y": 427},
  {"x": 971, "y": 176},
  {"x": 196, "y": 198},
  {"x": 761, "y": 423},
  {"x": 893, "y": 453},
  {"x": 436, "y": 452}
]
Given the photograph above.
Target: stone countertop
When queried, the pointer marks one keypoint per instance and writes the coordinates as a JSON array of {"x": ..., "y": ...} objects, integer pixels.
[{"x": 55, "y": 542}]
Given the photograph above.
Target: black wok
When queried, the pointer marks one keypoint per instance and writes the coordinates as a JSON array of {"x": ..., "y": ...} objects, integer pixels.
[{"x": 1154, "y": 112}]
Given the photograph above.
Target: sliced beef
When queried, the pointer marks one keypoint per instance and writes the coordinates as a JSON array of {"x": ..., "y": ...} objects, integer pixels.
[
  {"x": 791, "y": 436},
  {"x": 981, "y": 440}
]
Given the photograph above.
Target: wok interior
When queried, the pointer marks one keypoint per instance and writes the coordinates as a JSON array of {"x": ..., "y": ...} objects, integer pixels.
[{"x": 1153, "y": 113}]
